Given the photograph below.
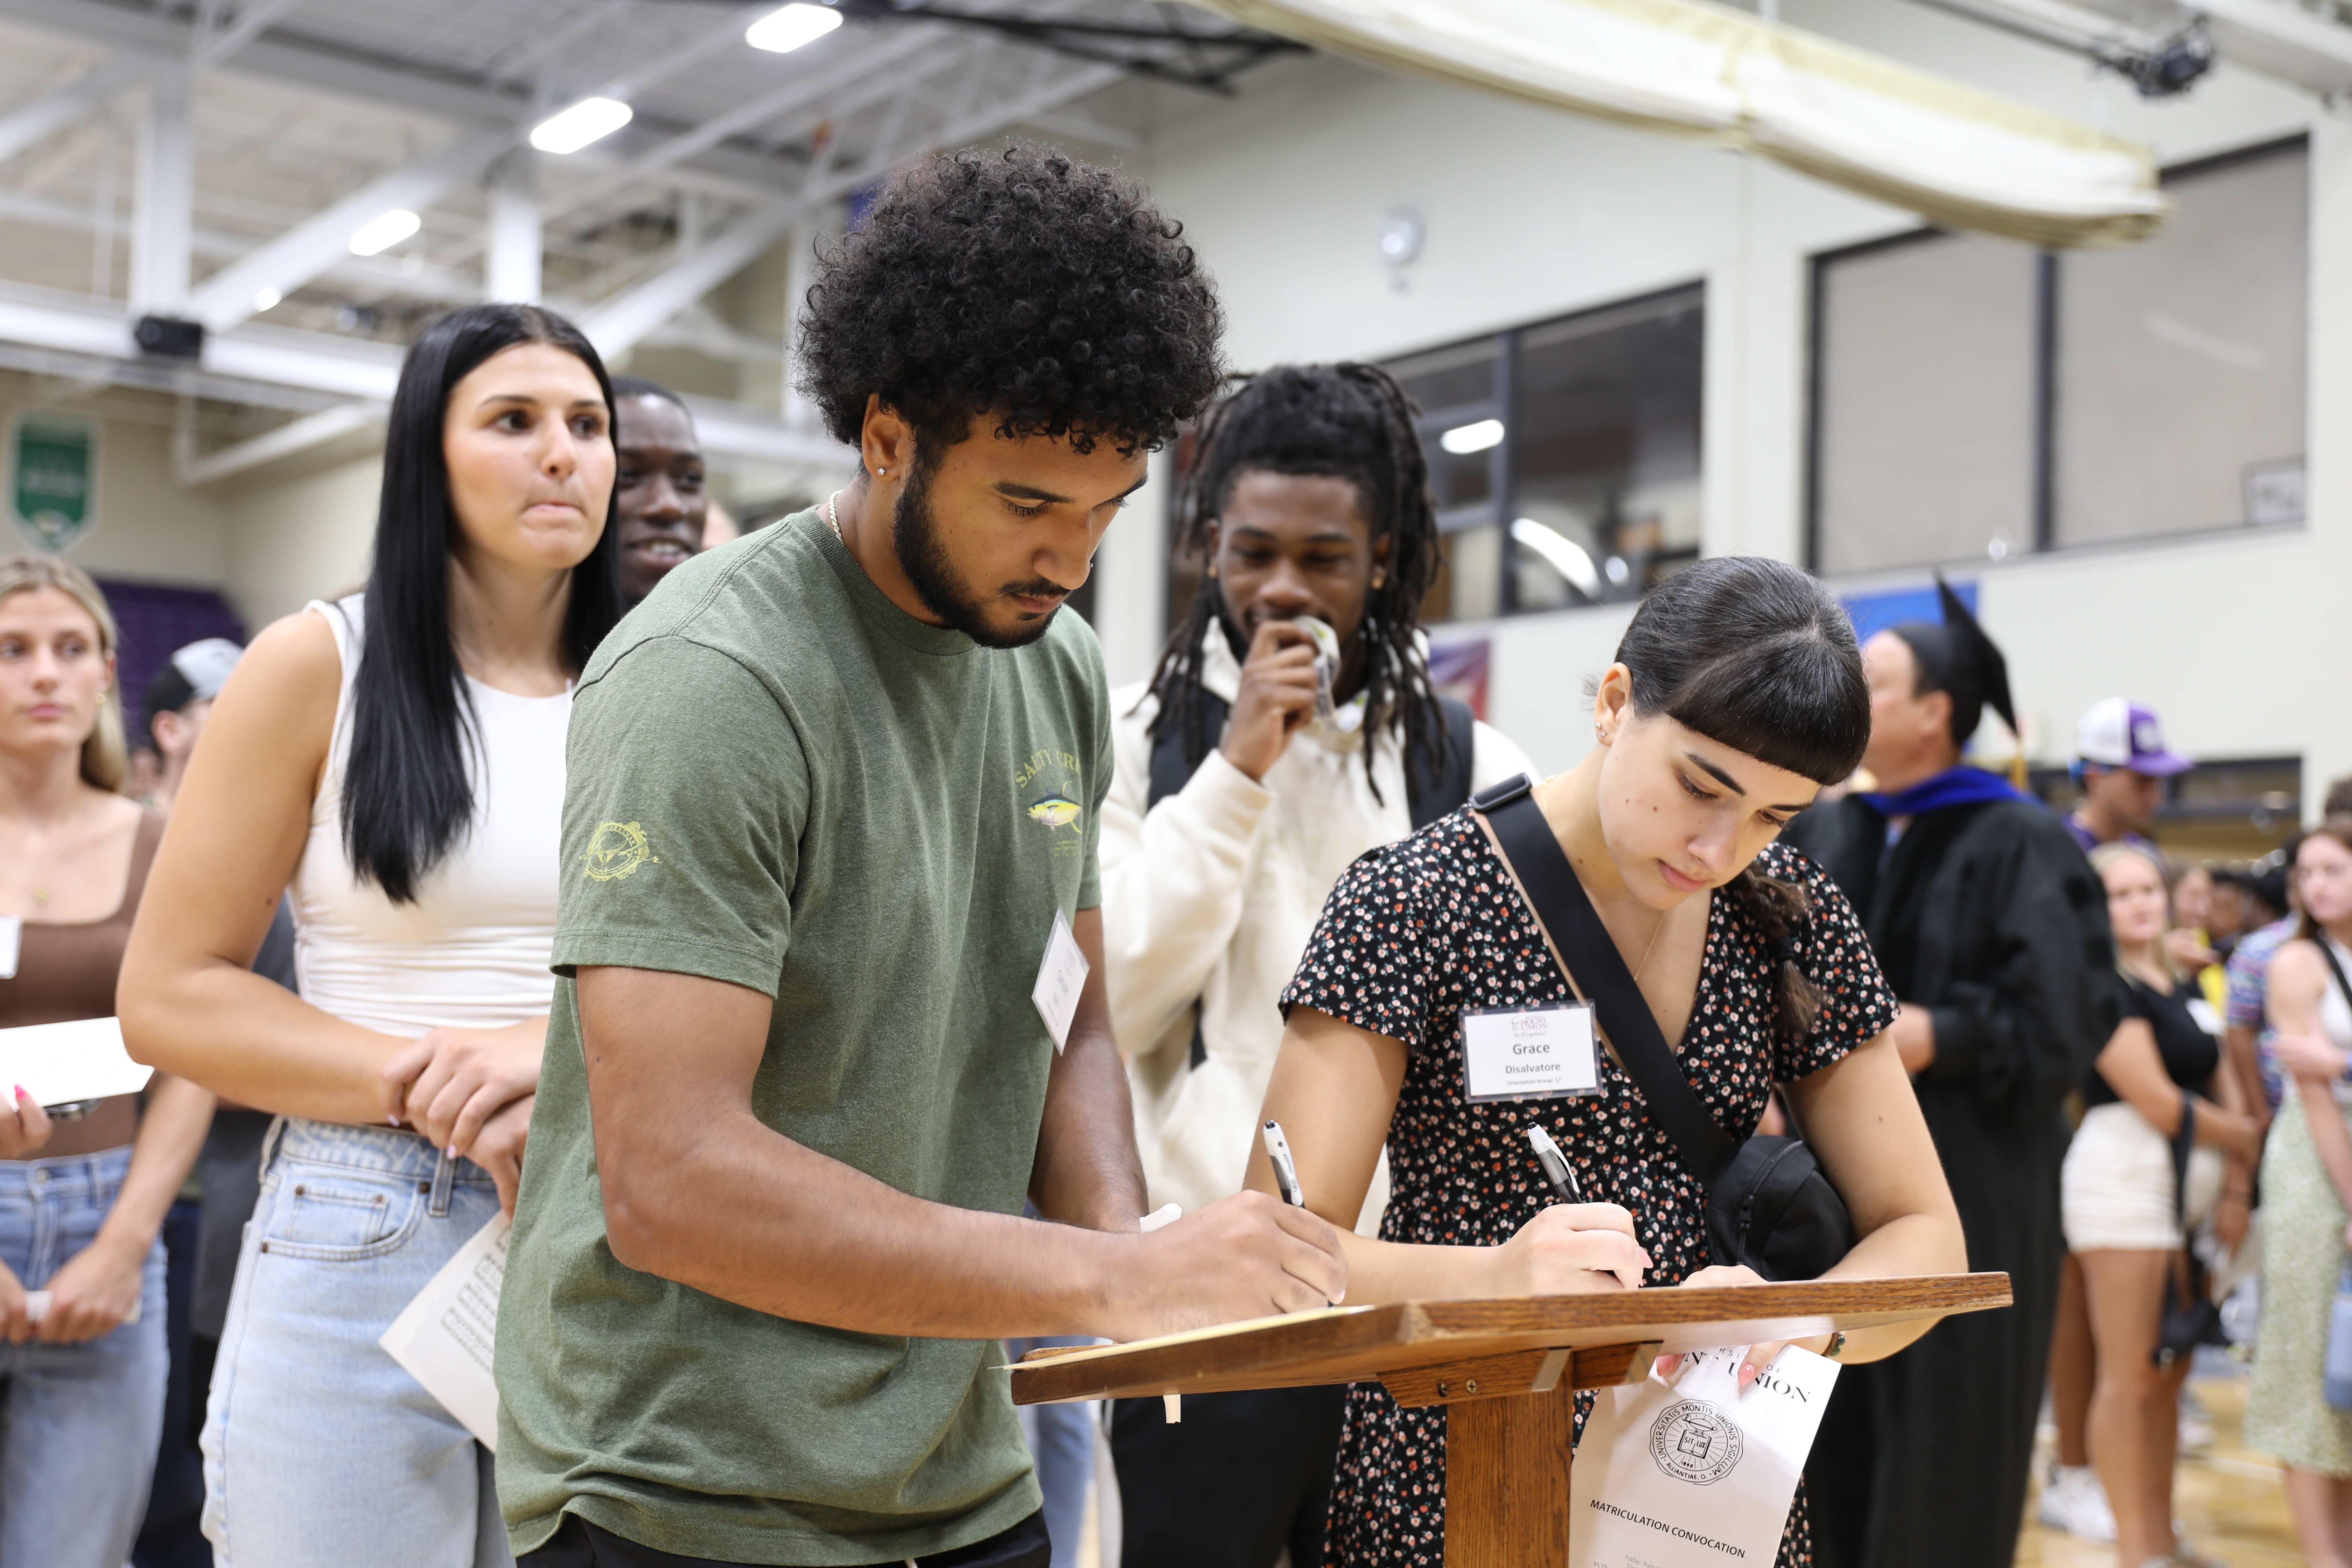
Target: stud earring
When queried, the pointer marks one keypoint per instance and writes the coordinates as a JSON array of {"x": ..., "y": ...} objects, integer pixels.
[
  {"x": 1212, "y": 568},
  {"x": 879, "y": 472},
  {"x": 1378, "y": 578}
]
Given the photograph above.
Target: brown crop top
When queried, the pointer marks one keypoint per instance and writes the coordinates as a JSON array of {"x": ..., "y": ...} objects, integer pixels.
[{"x": 68, "y": 971}]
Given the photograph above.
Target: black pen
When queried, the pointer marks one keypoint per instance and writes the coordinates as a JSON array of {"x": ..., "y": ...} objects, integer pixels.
[
  {"x": 1286, "y": 1169},
  {"x": 1555, "y": 1166}
]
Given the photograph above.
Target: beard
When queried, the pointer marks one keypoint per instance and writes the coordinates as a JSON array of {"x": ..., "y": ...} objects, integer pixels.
[{"x": 923, "y": 557}]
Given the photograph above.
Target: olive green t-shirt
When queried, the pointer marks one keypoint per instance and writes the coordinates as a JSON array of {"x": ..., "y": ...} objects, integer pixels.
[{"x": 780, "y": 779}]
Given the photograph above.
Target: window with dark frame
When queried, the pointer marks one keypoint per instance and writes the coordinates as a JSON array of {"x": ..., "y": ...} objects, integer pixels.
[
  {"x": 1564, "y": 455},
  {"x": 1974, "y": 399}
]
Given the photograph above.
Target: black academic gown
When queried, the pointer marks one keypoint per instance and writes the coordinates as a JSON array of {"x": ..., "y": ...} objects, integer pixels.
[{"x": 1988, "y": 915}]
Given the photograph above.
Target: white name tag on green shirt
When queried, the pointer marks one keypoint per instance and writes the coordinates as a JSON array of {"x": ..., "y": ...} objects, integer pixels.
[
  {"x": 1535, "y": 1052},
  {"x": 1060, "y": 978}
]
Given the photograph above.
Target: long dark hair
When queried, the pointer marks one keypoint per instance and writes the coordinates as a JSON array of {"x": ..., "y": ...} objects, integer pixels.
[
  {"x": 1755, "y": 655},
  {"x": 1350, "y": 422},
  {"x": 407, "y": 799}
]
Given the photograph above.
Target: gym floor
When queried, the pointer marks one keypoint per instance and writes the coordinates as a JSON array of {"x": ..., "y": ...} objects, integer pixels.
[{"x": 2231, "y": 1498}]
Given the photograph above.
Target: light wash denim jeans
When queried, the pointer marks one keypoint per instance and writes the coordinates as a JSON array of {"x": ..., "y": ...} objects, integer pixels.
[
  {"x": 78, "y": 1424},
  {"x": 318, "y": 1447}
]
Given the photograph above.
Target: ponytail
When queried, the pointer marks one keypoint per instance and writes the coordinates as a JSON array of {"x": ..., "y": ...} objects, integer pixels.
[{"x": 1778, "y": 907}]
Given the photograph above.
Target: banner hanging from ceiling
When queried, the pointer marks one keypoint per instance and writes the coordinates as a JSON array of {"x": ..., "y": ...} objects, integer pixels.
[{"x": 1960, "y": 157}]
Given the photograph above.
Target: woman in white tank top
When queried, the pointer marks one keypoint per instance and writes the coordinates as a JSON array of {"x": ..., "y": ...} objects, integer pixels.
[
  {"x": 397, "y": 757},
  {"x": 2307, "y": 1201}
]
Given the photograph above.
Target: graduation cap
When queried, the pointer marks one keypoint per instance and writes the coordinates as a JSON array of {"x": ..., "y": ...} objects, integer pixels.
[{"x": 1956, "y": 657}]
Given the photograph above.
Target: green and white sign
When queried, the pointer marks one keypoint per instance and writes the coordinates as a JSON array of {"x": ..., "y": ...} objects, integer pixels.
[{"x": 53, "y": 478}]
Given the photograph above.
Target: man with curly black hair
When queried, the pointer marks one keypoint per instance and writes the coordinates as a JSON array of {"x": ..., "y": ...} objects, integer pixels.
[{"x": 834, "y": 1004}]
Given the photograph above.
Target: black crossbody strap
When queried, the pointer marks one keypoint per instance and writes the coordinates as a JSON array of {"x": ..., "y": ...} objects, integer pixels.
[
  {"x": 1566, "y": 913},
  {"x": 2335, "y": 967}
]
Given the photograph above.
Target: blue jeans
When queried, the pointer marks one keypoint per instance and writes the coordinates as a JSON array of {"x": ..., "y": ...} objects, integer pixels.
[
  {"x": 318, "y": 1447},
  {"x": 78, "y": 1424}
]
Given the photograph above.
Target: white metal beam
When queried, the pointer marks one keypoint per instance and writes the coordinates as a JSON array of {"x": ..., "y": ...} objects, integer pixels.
[
  {"x": 294, "y": 437},
  {"x": 215, "y": 44},
  {"x": 441, "y": 284},
  {"x": 52, "y": 112},
  {"x": 512, "y": 271},
  {"x": 2273, "y": 37},
  {"x": 616, "y": 324},
  {"x": 158, "y": 37},
  {"x": 310, "y": 246},
  {"x": 164, "y": 210}
]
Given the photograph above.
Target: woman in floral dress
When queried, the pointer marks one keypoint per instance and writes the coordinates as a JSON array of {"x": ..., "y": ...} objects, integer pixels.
[{"x": 1737, "y": 693}]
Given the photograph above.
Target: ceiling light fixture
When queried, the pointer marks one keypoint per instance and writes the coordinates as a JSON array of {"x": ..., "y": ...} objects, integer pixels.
[
  {"x": 589, "y": 120},
  {"x": 384, "y": 231},
  {"x": 265, "y": 300},
  {"x": 780, "y": 32},
  {"x": 1475, "y": 436}
]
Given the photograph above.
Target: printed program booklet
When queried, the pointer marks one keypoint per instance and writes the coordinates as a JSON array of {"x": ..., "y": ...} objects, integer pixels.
[
  {"x": 443, "y": 1337},
  {"x": 1694, "y": 1473}
]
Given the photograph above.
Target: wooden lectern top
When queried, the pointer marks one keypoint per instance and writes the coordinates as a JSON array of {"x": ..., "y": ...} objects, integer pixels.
[{"x": 1351, "y": 1344}]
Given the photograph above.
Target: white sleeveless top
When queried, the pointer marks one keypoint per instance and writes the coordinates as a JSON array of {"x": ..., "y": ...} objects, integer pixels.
[{"x": 472, "y": 951}]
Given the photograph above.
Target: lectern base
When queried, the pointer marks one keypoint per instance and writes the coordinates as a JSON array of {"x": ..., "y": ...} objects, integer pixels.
[
  {"x": 1506, "y": 1480},
  {"x": 1507, "y": 1450}
]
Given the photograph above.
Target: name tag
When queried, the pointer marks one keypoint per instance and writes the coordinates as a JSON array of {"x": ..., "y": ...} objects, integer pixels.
[
  {"x": 1539, "y": 1053},
  {"x": 11, "y": 936},
  {"x": 1060, "y": 978}
]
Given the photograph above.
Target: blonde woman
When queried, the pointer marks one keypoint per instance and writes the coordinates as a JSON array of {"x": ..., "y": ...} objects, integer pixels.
[
  {"x": 2306, "y": 1195},
  {"x": 2124, "y": 1212},
  {"x": 82, "y": 1191}
]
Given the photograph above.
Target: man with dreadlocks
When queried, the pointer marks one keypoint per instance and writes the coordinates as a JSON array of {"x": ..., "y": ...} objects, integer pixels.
[{"x": 1235, "y": 804}]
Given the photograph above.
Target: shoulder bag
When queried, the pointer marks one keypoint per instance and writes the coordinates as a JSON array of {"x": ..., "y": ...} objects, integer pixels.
[
  {"x": 2192, "y": 1316},
  {"x": 1767, "y": 1204}
]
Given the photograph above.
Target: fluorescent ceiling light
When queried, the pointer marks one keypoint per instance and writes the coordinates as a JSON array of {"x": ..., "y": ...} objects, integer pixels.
[
  {"x": 781, "y": 32},
  {"x": 1563, "y": 554},
  {"x": 265, "y": 300},
  {"x": 589, "y": 120},
  {"x": 385, "y": 230},
  {"x": 1475, "y": 436}
]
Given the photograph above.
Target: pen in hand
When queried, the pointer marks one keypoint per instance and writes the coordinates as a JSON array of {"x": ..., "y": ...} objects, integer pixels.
[
  {"x": 1555, "y": 1166},
  {"x": 1286, "y": 1169}
]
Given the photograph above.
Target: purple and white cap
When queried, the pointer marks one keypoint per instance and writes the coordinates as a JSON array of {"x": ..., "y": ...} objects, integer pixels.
[{"x": 2117, "y": 733}]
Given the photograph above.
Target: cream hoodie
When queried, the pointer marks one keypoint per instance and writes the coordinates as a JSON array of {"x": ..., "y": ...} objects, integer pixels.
[{"x": 1211, "y": 899}]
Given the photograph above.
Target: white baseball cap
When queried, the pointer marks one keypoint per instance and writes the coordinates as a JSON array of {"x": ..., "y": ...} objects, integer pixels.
[{"x": 2116, "y": 733}]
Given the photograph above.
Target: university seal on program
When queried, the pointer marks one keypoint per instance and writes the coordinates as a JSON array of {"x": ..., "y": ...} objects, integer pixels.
[{"x": 1693, "y": 1441}]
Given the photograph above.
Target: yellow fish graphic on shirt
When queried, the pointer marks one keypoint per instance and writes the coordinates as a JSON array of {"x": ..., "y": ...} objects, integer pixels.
[{"x": 1054, "y": 811}]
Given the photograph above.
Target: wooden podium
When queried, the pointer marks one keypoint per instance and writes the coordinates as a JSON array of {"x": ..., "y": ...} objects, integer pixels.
[{"x": 1507, "y": 1369}]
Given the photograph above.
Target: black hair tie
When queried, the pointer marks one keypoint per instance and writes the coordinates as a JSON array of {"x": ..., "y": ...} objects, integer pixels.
[{"x": 1783, "y": 948}]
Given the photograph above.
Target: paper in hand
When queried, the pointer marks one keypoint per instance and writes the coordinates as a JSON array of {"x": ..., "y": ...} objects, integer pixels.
[
  {"x": 1694, "y": 1473},
  {"x": 61, "y": 1063},
  {"x": 444, "y": 1336}
]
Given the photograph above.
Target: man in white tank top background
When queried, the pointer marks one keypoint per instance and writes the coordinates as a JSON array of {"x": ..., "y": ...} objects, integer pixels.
[{"x": 830, "y": 833}]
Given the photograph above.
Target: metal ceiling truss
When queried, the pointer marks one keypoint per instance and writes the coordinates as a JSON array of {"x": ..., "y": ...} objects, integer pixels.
[
  {"x": 744, "y": 178},
  {"x": 1176, "y": 51}
]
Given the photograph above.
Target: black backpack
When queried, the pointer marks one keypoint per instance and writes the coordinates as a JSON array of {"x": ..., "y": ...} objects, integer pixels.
[{"x": 1428, "y": 798}]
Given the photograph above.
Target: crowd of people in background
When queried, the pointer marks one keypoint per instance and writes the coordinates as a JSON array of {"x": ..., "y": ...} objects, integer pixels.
[{"x": 401, "y": 968}]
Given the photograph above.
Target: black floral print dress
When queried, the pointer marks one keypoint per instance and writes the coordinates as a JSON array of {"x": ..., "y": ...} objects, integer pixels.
[{"x": 1418, "y": 931}]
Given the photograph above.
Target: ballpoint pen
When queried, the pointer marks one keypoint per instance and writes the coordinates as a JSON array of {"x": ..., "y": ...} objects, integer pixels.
[
  {"x": 1555, "y": 1165},
  {"x": 1286, "y": 1169}
]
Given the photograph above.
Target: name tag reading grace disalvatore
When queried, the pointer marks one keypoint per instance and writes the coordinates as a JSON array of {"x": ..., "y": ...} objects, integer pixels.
[{"x": 1539, "y": 1053}]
